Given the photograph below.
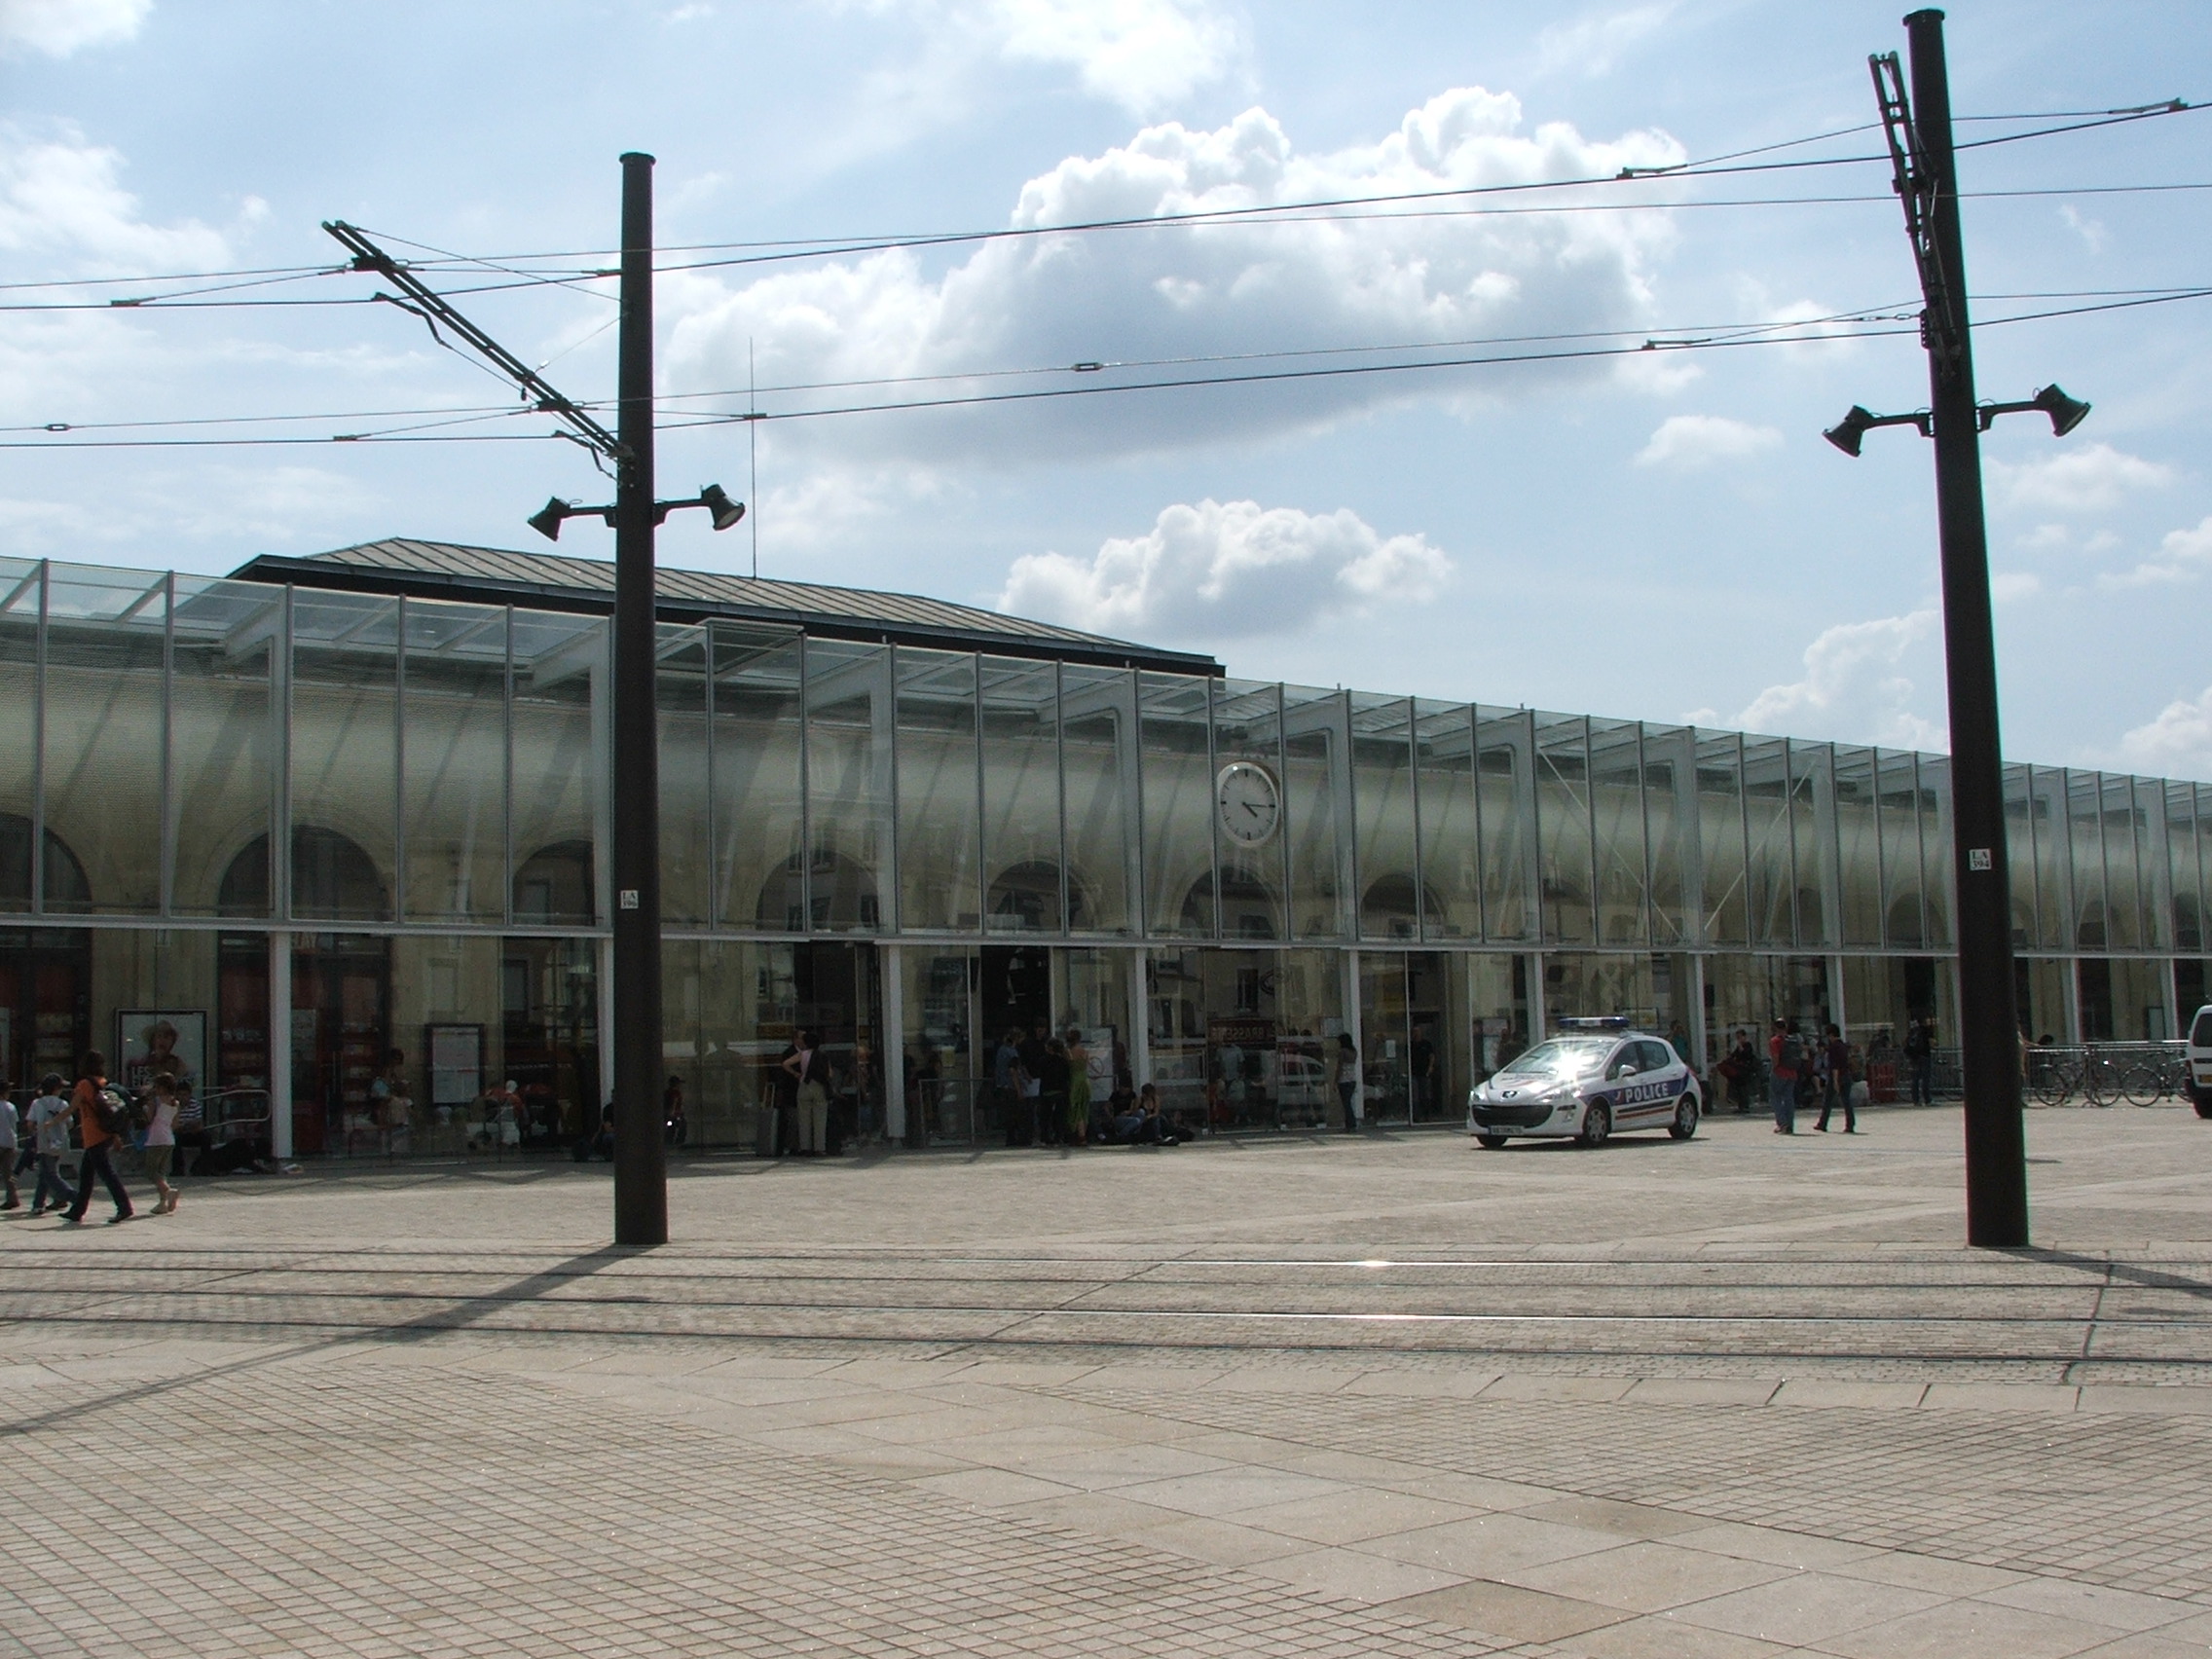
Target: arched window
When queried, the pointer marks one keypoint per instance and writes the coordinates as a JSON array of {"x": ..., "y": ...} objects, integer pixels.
[
  {"x": 556, "y": 886},
  {"x": 66, "y": 888},
  {"x": 837, "y": 886},
  {"x": 1904, "y": 919},
  {"x": 1391, "y": 909},
  {"x": 1025, "y": 897},
  {"x": 332, "y": 879}
]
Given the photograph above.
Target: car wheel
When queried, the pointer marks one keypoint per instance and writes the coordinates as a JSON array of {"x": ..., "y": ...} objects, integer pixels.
[
  {"x": 1684, "y": 1124},
  {"x": 1597, "y": 1125},
  {"x": 1490, "y": 1143},
  {"x": 2204, "y": 1105}
]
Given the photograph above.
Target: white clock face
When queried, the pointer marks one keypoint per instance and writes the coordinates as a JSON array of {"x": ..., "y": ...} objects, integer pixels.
[{"x": 1248, "y": 801}]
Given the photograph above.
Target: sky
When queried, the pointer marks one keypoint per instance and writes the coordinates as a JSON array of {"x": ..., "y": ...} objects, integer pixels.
[{"x": 1653, "y": 534}]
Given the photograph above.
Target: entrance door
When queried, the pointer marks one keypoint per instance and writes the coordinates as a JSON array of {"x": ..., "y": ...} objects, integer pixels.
[
  {"x": 1016, "y": 992},
  {"x": 341, "y": 1031},
  {"x": 46, "y": 977}
]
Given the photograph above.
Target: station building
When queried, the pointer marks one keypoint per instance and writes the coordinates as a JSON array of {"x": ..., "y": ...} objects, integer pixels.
[{"x": 334, "y": 806}]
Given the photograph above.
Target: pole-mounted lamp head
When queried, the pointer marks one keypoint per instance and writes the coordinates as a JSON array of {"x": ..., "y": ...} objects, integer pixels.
[
  {"x": 723, "y": 511},
  {"x": 2065, "y": 413},
  {"x": 547, "y": 521},
  {"x": 1848, "y": 434}
]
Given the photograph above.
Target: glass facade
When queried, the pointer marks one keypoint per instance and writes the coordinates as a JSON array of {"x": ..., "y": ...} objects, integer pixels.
[{"x": 381, "y": 818}]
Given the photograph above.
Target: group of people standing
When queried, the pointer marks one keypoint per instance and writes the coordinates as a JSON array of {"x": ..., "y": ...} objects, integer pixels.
[
  {"x": 103, "y": 1121},
  {"x": 1042, "y": 1084},
  {"x": 1800, "y": 1072}
]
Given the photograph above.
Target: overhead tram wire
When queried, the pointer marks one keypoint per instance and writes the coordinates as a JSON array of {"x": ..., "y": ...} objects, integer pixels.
[
  {"x": 830, "y": 246},
  {"x": 1789, "y": 331}
]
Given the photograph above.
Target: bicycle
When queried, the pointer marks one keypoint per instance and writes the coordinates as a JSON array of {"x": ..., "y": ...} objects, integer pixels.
[
  {"x": 2056, "y": 1075},
  {"x": 2154, "y": 1078}
]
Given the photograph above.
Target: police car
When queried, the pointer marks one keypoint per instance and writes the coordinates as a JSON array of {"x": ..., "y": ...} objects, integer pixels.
[{"x": 1594, "y": 1078}]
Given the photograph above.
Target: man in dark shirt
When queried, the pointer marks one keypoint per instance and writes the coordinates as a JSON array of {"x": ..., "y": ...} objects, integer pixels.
[
  {"x": 1032, "y": 1056},
  {"x": 1839, "y": 1085}
]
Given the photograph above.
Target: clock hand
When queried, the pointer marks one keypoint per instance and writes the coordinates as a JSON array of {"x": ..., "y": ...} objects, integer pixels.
[{"x": 1249, "y": 807}]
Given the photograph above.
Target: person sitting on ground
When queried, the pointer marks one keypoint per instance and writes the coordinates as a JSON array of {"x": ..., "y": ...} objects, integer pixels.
[
  {"x": 1129, "y": 1129},
  {"x": 1116, "y": 1105}
]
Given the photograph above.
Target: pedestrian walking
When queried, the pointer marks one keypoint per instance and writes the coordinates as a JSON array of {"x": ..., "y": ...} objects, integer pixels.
[
  {"x": 809, "y": 1068},
  {"x": 1079, "y": 1088},
  {"x": 675, "y": 1128},
  {"x": 50, "y": 1140},
  {"x": 161, "y": 1140},
  {"x": 1920, "y": 1057},
  {"x": 1839, "y": 1086},
  {"x": 100, "y": 1121},
  {"x": 1347, "y": 1081},
  {"x": 1785, "y": 1058},
  {"x": 11, "y": 1131}
]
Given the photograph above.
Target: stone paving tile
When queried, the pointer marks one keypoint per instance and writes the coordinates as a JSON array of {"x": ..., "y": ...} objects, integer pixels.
[
  {"x": 1970, "y": 1630},
  {"x": 1645, "y": 1577}
]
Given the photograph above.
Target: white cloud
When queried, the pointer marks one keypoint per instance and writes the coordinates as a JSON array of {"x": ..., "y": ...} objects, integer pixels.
[
  {"x": 1687, "y": 441},
  {"x": 2090, "y": 230},
  {"x": 2177, "y": 743},
  {"x": 58, "y": 27},
  {"x": 1144, "y": 55},
  {"x": 1857, "y": 686},
  {"x": 1593, "y": 46},
  {"x": 2007, "y": 586},
  {"x": 1245, "y": 287},
  {"x": 2089, "y": 479},
  {"x": 2183, "y": 556},
  {"x": 64, "y": 198},
  {"x": 1224, "y": 569}
]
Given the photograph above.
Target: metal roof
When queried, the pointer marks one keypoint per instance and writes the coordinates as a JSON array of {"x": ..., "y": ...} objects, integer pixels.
[{"x": 558, "y": 581}]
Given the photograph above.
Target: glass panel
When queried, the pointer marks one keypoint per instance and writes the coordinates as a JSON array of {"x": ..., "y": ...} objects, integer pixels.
[
  {"x": 680, "y": 704},
  {"x": 1811, "y": 828},
  {"x": 1385, "y": 1063},
  {"x": 2053, "y": 866},
  {"x": 1772, "y": 882},
  {"x": 1616, "y": 798},
  {"x": 1317, "y": 768},
  {"x": 2204, "y": 857},
  {"x": 1099, "y": 759},
  {"x": 940, "y": 880},
  {"x": 848, "y": 780},
  {"x": 1247, "y": 731},
  {"x": 1563, "y": 816},
  {"x": 1860, "y": 867},
  {"x": 222, "y": 743},
  {"x": 1451, "y": 850},
  {"x": 1899, "y": 801},
  {"x": 103, "y": 734},
  {"x": 560, "y": 663},
  {"x": 1721, "y": 835},
  {"x": 2085, "y": 818},
  {"x": 446, "y": 1015},
  {"x": 1936, "y": 857},
  {"x": 18, "y": 732},
  {"x": 1505, "y": 788},
  {"x": 1022, "y": 798},
  {"x": 2019, "y": 851},
  {"x": 454, "y": 761},
  {"x": 2154, "y": 860},
  {"x": 2181, "y": 858},
  {"x": 1669, "y": 816},
  {"x": 344, "y": 721},
  {"x": 942, "y": 1077},
  {"x": 760, "y": 813},
  {"x": 2123, "y": 897},
  {"x": 1383, "y": 797},
  {"x": 1179, "y": 805}
]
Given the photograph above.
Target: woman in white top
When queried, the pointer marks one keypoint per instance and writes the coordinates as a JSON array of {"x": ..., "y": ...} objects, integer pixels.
[{"x": 161, "y": 1141}]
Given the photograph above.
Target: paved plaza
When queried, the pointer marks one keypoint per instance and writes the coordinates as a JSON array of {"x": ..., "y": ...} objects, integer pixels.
[{"x": 1736, "y": 1397}]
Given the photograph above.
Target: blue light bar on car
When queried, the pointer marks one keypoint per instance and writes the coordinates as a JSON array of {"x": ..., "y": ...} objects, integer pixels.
[{"x": 1593, "y": 1022}]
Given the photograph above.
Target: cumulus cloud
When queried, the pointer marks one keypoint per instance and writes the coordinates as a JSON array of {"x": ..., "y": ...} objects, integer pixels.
[
  {"x": 2175, "y": 744},
  {"x": 2184, "y": 555},
  {"x": 1228, "y": 569},
  {"x": 58, "y": 27},
  {"x": 2007, "y": 586},
  {"x": 1146, "y": 295},
  {"x": 1857, "y": 686},
  {"x": 2089, "y": 479},
  {"x": 1687, "y": 441},
  {"x": 64, "y": 198}
]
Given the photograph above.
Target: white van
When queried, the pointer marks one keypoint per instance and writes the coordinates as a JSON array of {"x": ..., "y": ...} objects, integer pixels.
[{"x": 2199, "y": 1082}]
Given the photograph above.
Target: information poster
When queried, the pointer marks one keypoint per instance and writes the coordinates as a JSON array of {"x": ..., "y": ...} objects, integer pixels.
[
  {"x": 151, "y": 1040},
  {"x": 456, "y": 1054}
]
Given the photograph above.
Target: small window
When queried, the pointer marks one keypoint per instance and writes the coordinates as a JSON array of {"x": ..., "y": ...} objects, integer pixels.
[
  {"x": 1653, "y": 1055},
  {"x": 1624, "y": 1063},
  {"x": 2200, "y": 1033}
]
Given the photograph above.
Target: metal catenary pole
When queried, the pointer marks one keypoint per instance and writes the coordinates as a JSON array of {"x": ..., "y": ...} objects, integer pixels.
[
  {"x": 1997, "y": 1181},
  {"x": 641, "y": 1165}
]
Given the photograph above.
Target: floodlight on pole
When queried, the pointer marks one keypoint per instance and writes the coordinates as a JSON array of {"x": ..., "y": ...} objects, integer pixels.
[
  {"x": 724, "y": 512},
  {"x": 2066, "y": 412},
  {"x": 1848, "y": 434}
]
